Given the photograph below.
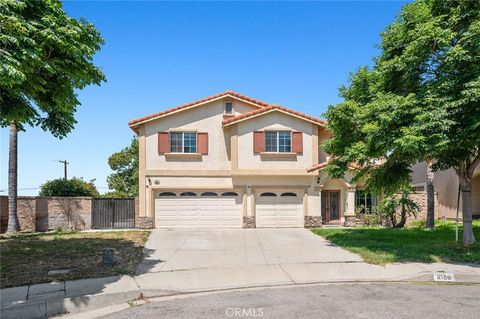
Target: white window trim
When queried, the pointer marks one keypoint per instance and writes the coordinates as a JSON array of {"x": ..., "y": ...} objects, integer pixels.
[
  {"x": 183, "y": 141},
  {"x": 278, "y": 141},
  {"x": 225, "y": 108}
]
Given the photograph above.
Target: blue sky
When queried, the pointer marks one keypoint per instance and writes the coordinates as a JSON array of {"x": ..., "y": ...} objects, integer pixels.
[{"x": 159, "y": 55}]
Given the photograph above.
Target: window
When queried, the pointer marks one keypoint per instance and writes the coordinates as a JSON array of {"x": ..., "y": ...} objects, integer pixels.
[
  {"x": 418, "y": 189},
  {"x": 270, "y": 141},
  {"x": 268, "y": 194},
  {"x": 183, "y": 142},
  {"x": 165, "y": 194},
  {"x": 229, "y": 194},
  {"x": 288, "y": 195},
  {"x": 365, "y": 201},
  {"x": 188, "y": 194},
  {"x": 209, "y": 194},
  {"x": 228, "y": 107},
  {"x": 278, "y": 141}
]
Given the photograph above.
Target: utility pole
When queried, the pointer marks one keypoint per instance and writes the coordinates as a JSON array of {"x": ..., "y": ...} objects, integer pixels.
[{"x": 65, "y": 163}]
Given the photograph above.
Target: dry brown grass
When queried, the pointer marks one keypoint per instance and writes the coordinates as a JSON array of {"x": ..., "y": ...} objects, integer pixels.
[{"x": 27, "y": 258}]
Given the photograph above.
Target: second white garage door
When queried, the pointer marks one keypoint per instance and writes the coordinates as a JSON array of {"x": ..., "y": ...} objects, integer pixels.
[
  {"x": 198, "y": 209},
  {"x": 279, "y": 209}
]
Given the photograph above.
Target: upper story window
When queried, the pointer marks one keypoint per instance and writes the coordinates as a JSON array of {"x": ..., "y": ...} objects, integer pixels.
[
  {"x": 278, "y": 141},
  {"x": 228, "y": 107},
  {"x": 183, "y": 142}
]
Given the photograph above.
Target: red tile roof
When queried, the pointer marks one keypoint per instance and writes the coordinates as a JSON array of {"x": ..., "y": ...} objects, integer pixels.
[
  {"x": 270, "y": 108},
  {"x": 321, "y": 166},
  {"x": 191, "y": 104},
  {"x": 317, "y": 167}
]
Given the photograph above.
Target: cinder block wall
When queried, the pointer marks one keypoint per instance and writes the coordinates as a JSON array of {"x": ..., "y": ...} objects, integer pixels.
[
  {"x": 3, "y": 213},
  {"x": 49, "y": 213}
]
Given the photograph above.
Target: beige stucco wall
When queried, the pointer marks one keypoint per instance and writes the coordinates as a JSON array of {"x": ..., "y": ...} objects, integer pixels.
[
  {"x": 274, "y": 121},
  {"x": 222, "y": 168},
  {"x": 206, "y": 118},
  {"x": 419, "y": 174},
  {"x": 446, "y": 189},
  {"x": 323, "y": 135},
  {"x": 476, "y": 195}
]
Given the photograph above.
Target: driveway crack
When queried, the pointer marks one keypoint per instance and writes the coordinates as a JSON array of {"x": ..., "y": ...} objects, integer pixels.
[
  {"x": 261, "y": 246},
  {"x": 178, "y": 248},
  {"x": 286, "y": 273}
]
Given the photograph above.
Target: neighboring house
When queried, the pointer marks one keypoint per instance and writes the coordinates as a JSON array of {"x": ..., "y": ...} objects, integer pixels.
[
  {"x": 232, "y": 161},
  {"x": 446, "y": 190}
]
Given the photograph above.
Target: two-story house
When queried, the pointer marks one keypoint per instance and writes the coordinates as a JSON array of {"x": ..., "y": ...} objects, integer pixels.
[{"x": 232, "y": 161}]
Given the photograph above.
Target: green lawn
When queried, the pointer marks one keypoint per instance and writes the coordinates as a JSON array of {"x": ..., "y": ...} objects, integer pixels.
[
  {"x": 412, "y": 244},
  {"x": 27, "y": 258}
]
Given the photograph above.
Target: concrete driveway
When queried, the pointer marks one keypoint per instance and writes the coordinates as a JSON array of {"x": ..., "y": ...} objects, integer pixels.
[
  {"x": 194, "y": 260},
  {"x": 184, "y": 249}
]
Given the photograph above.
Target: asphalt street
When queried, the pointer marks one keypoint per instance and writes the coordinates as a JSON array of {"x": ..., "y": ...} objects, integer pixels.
[{"x": 402, "y": 300}]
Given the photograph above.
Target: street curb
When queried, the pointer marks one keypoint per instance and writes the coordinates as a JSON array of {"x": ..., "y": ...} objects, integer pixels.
[
  {"x": 46, "y": 308},
  {"x": 56, "y": 306}
]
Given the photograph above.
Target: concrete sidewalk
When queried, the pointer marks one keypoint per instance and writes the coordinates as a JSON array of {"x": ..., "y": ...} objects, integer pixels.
[{"x": 45, "y": 300}]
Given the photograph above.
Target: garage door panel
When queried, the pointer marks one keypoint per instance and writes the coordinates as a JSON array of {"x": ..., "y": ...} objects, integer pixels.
[
  {"x": 199, "y": 211},
  {"x": 279, "y": 211}
]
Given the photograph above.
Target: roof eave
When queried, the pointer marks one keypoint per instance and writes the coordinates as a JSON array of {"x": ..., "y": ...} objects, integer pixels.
[{"x": 273, "y": 110}]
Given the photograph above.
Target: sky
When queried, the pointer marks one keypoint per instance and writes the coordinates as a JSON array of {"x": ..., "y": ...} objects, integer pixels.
[{"x": 158, "y": 55}]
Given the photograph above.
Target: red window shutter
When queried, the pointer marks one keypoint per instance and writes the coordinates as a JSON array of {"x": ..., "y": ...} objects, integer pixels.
[
  {"x": 258, "y": 142},
  {"x": 297, "y": 142},
  {"x": 163, "y": 142},
  {"x": 202, "y": 143}
]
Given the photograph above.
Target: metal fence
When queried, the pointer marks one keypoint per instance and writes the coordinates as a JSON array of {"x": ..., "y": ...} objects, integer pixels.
[{"x": 113, "y": 213}]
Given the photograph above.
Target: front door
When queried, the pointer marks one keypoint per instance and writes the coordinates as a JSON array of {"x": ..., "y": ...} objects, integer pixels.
[{"x": 330, "y": 206}]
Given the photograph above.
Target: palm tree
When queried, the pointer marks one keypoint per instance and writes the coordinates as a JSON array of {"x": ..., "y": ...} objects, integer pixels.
[{"x": 12, "y": 180}]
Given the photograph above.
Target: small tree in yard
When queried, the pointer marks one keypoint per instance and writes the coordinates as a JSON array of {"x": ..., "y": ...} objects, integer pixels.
[
  {"x": 419, "y": 102},
  {"x": 75, "y": 187},
  {"x": 399, "y": 204},
  {"x": 124, "y": 181},
  {"x": 45, "y": 56}
]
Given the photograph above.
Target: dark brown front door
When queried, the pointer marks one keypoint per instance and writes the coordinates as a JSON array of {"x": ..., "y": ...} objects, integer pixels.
[{"x": 330, "y": 206}]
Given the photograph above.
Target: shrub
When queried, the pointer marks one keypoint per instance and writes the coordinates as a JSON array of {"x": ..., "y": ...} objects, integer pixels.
[
  {"x": 368, "y": 217},
  {"x": 75, "y": 187}
]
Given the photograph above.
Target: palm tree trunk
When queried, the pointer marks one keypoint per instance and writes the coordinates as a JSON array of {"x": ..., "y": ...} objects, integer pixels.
[
  {"x": 12, "y": 180},
  {"x": 403, "y": 217},
  {"x": 430, "y": 197}
]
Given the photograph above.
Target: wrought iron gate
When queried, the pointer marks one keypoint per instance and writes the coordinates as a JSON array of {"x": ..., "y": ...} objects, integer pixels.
[{"x": 113, "y": 213}]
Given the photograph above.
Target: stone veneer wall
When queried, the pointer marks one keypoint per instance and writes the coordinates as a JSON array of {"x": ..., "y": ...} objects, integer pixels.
[
  {"x": 313, "y": 221},
  {"x": 49, "y": 213},
  {"x": 421, "y": 199},
  {"x": 249, "y": 222}
]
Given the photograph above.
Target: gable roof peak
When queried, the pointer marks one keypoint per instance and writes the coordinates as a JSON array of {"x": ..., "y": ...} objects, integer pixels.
[
  {"x": 257, "y": 103},
  {"x": 273, "y": 108}
]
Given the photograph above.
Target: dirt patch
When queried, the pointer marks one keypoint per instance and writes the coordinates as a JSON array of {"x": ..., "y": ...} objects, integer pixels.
[{"x": 28, "y": 258}]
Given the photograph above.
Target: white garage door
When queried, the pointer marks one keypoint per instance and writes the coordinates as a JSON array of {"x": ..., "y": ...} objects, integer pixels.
[
  {"x": 198, "y": 209},
  {"x": 279, "y": 209}
]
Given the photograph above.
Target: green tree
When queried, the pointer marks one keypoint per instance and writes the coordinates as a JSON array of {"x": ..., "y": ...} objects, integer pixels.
[
  {"x": 75, "y": 187},
  {"x": 419, "y": 102},
  {"x": 46, "y": 56},
  {"x": 399, "y": 204},
  {"x": 124, "y": 180}
]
